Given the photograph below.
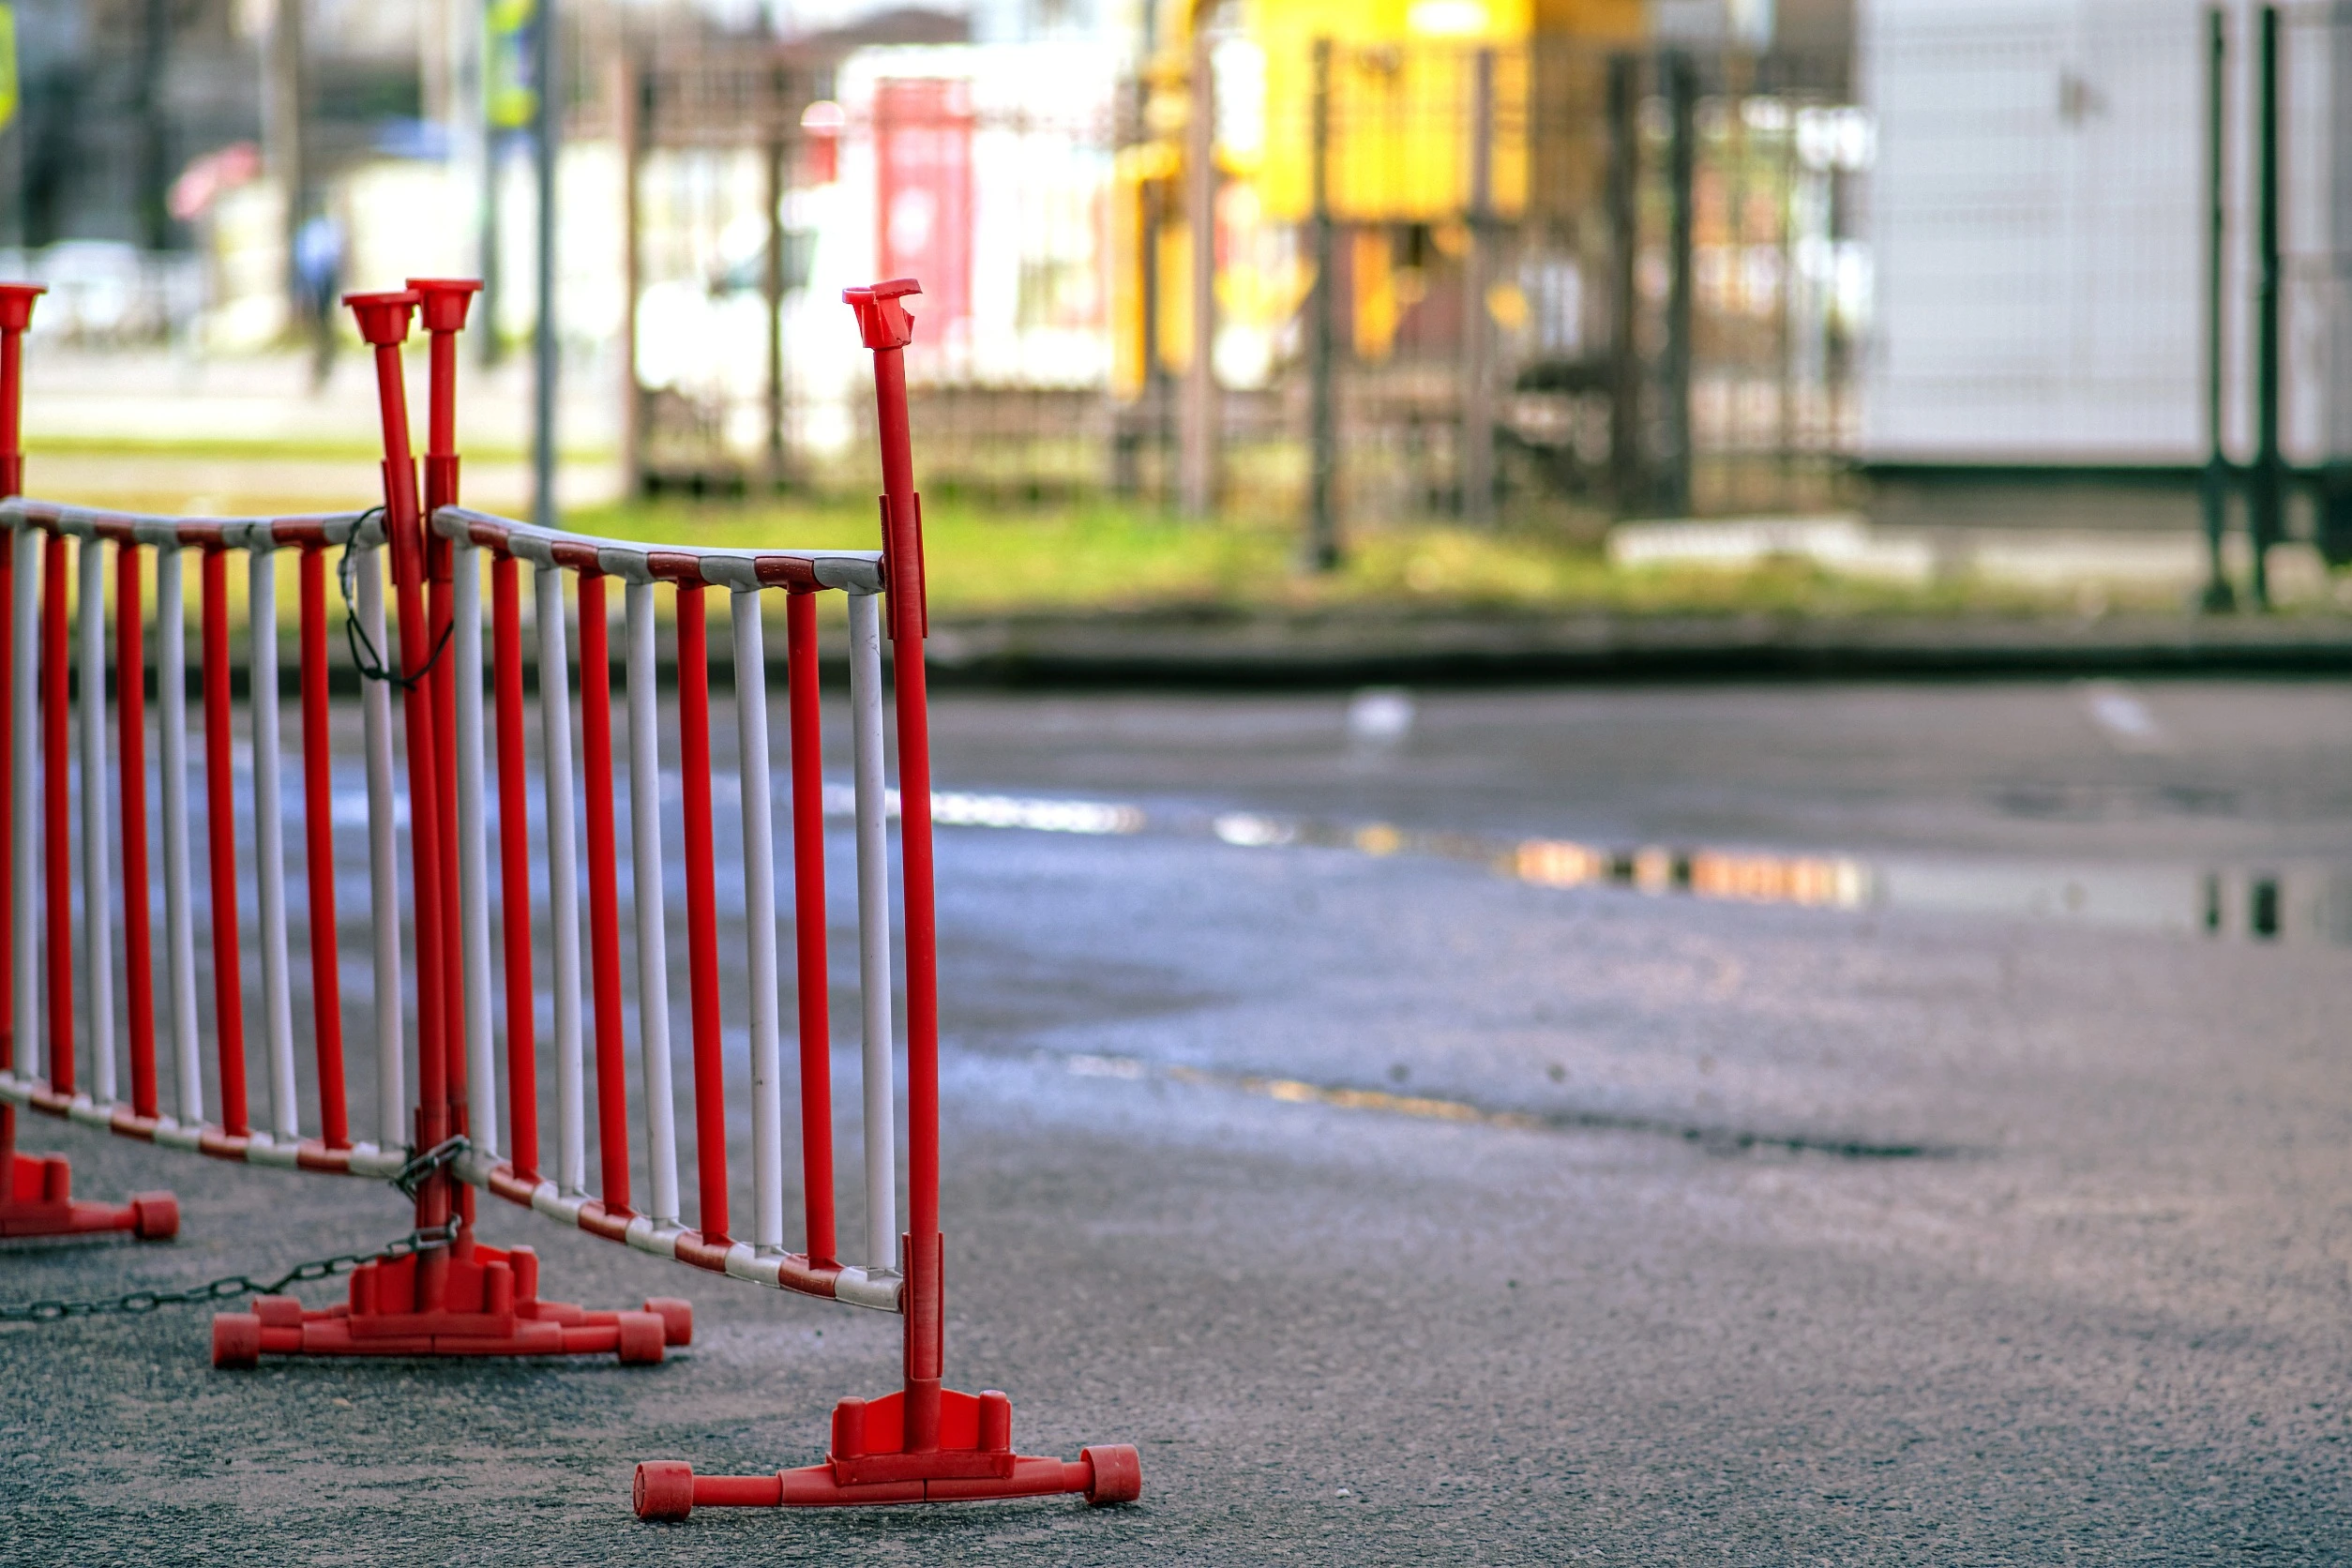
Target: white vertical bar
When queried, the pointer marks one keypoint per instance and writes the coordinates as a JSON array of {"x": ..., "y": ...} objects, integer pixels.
[
  {"x": 562, "y": 879},
  {"x": 653, "y": 956},
  {"x": 383, "y": 865},
  {"x": 873, "y": 930},
  {"x": 465, "y": 648},
  {"x": 759, "y": 898},
  {"x": 179, "y": 927},
  {"x": 97, "y": 906},
  {"x": 269, "y": 828},
  {"x": 24, "y": 801}
]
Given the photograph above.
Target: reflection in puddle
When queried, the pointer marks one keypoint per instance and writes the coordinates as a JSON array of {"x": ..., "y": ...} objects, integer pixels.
[{"x": 2307, "y": 902}]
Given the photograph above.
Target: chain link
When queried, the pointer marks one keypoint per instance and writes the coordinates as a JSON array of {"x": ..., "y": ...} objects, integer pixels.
[
  {"x": 412, "y": 1175},
  {"x": 229, "y": 1287}
]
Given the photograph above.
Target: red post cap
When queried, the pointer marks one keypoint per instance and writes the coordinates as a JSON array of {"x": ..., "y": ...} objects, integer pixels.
[
  {"x": 16, "y": 304},
  {"x": 382, "y": 317},
  {"x": 445, "y": 300},
  {"x": 880, "y": 318}
]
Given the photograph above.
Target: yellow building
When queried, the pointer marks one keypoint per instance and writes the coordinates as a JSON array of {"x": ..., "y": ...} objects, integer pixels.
[{"x": 1405, "y": 114}]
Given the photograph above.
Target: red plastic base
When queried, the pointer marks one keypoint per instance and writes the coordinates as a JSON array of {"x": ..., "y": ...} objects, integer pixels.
[
  {"x": 489, "y": 1308},
  {"x": 39, "y": 1201},
  {"x": 868, "y": 1465}
]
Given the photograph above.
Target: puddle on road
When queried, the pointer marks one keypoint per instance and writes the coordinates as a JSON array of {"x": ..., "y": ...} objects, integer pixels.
[
  {"x": 1711, "y": 1138},
  {"x": 2303, "y": 902}
]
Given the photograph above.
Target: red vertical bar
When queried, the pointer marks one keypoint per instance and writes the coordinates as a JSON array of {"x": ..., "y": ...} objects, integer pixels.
[
  {"x": 443, "y": 303},
  {"x": 53, "y": 805},
  {"x": 694, "y": 767},
  {"x": 228, "y": 995},
  {"x": 514, "y": 861},
  {"x": 440, "y": 690},
  {"x": 131, "y": 682},
  {"x": 812, "y": 981},
  {"x": 16, "y": 314},
  {"x": 8, "y": 837},
  {"x": 384, "y": 322},
  {"x": 884, "y": 323},
  {"x": 318, "y": 809},
  {"x": 604, "y": 897}
]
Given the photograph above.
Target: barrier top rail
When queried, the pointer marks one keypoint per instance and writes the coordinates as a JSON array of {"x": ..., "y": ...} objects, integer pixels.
[{"x": 855, "y": 571}]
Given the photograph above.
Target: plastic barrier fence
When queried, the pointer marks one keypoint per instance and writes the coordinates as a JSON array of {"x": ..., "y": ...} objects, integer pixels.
[{"x": 466, "y": 723}]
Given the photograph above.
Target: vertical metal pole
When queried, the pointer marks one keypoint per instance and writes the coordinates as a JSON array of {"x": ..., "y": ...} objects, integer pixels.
[
  {"x": 1477, "y": 466},
  {"x": 546, "y": 130},
  {"x": 1197, "y": 431},
  {"x": 1322, "y": 510},
  {"x": 318, "y": 809},
  {"x": 885, "y": 326},
  {"x": 131, "y": 701},
  {"x": 98, "y": 911},
  {"x": 1682, "y": 161},
  {"x": 514, "y": 862},
  {"x": 702, "y": 1005},
  {"x": 465, "y": 656},
  {"x": 810, "y": 969},
  {"x": 2218, "y": 595},
  {"x": 563, "y": 879},
  {"x": 384, "y": 868},
  {"x": 1627, "y": 479},
  {"x": 873, "y": 930},
  {"x": 759, "y": 901},
  {"x": 269, "y": 846},
  {"x": 25, "y": 795},
  {"x": 179, "y": 921},
  {"x": 645, "y": 897},
  {"x": 2265, "y": 512}
]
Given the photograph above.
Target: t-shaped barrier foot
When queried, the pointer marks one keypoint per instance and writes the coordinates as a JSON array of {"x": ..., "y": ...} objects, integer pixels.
[
  {"x": 39, "y": 1201},
  {"x": 973, "y": 1462},
  {"x": 490, "y": 1306}
]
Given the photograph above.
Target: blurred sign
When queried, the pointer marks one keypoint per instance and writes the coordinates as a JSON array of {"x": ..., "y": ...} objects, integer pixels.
[
  {"x": 8, "y": 64},
  {"x": 923, "y": 130},
  {"x": 510, "y": 87}
]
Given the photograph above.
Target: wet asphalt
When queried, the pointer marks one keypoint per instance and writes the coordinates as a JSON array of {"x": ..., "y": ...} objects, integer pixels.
[{"x": 1400, "y": 1212}]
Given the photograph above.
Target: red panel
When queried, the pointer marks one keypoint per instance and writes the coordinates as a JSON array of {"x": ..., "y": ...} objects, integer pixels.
[{"x": 922, "y": 196}]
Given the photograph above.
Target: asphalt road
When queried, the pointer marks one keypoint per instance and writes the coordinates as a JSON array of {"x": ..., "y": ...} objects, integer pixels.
[{"x": 1400, "y": 1211}]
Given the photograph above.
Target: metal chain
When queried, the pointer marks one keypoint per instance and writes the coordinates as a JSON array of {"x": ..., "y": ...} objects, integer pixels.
[
  {"x": 412, "y": 1175},
  {"x": 134, "y": 1302},
  {"x": 371, "y": 664}
]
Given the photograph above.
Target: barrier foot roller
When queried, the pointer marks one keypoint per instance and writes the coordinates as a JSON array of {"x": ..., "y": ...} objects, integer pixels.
[
  {"x": 868, "y": 1465},
  {"x": 490, "y": 1306},
  {"x": 39, "y": 1201}
]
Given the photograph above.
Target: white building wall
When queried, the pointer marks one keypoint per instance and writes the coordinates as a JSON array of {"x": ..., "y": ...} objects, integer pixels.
[{"x": 2036, "y": 218}]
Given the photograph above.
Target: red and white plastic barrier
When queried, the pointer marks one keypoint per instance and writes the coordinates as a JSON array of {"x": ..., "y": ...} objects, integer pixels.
[{"x": 478, "y": 1105}]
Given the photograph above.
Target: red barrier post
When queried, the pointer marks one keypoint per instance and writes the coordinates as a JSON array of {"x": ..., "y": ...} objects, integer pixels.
[
  {"x": 694, "y": 768},
  {"x": 131, "y": 679},
  {"x": 37, "y": 1190},
  {"x": 54, "y": 805},
  {"x": 318, "y": 810},
  {"x": 813, "y": 981},
  {"x": 925, "y": 1442},
  {"x": 604, "y": 913},
  {"x": 384, "y": 322},
  {"x": 228, "y": 992},
  {"x": 443, "y": 303},
  {"x": 886, "y": 327},
  {"x": 16, "y": 315},
  {"x": 460, "y": 1299},
  {"x": 514, "y": 866}
]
